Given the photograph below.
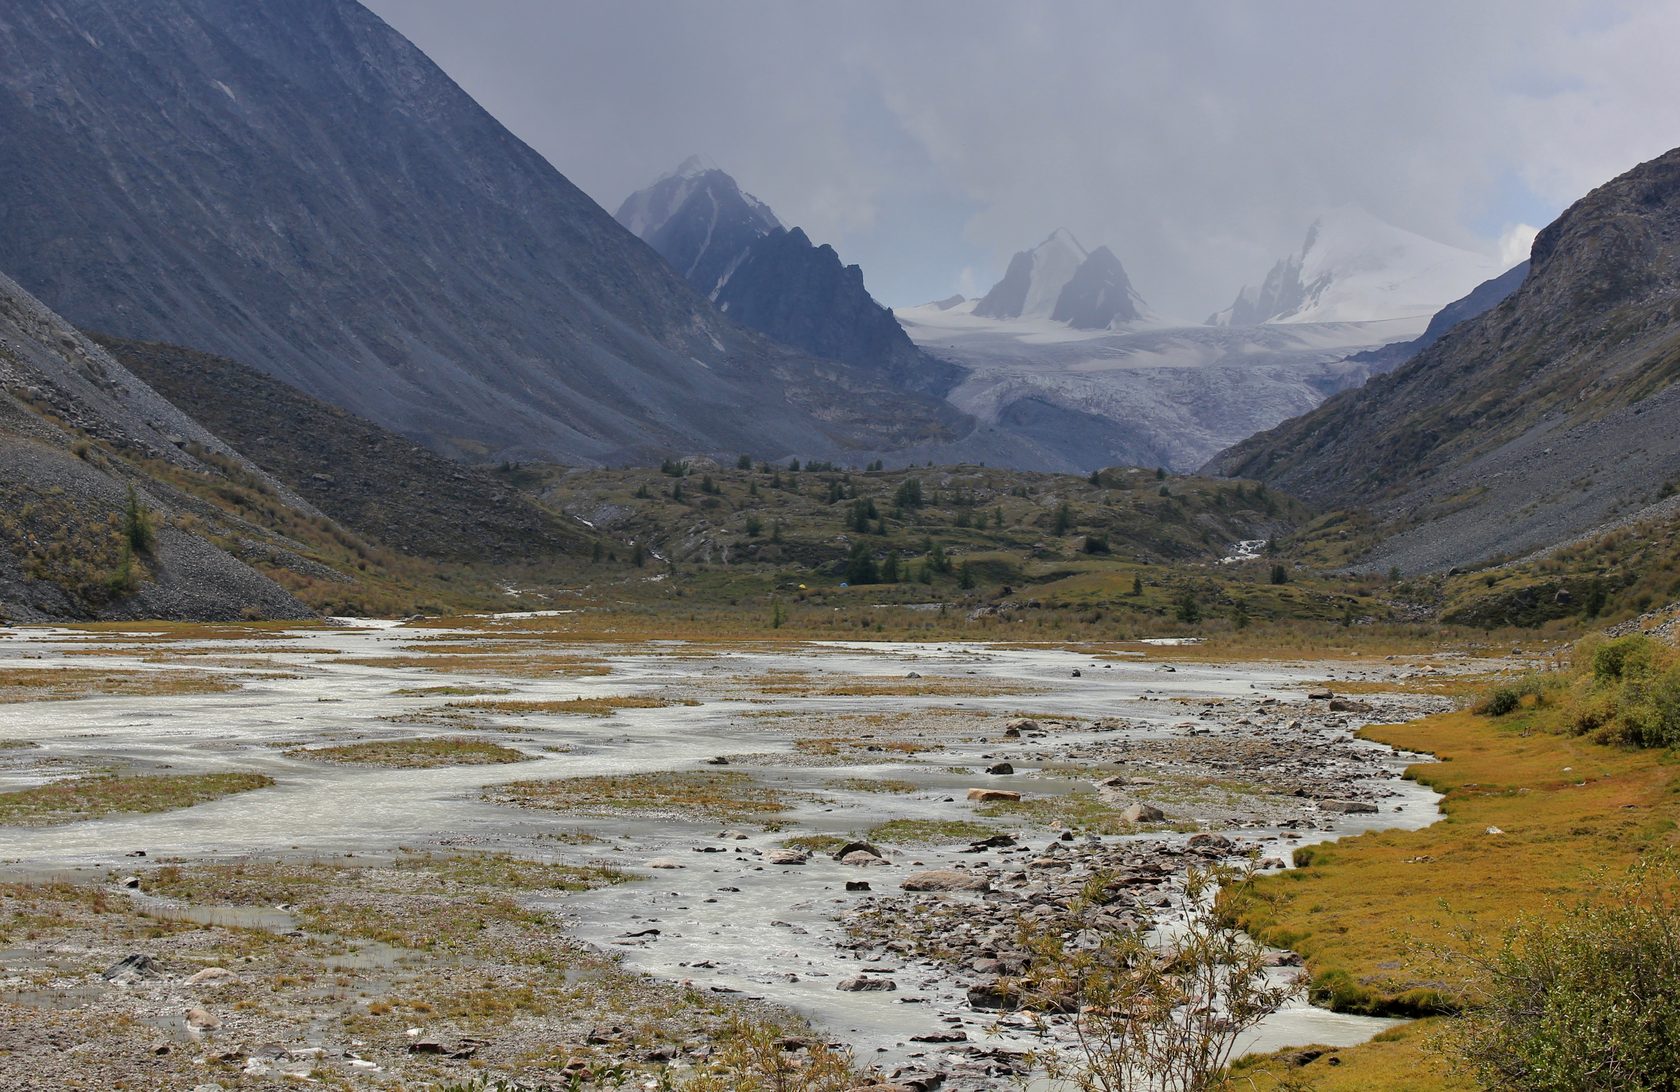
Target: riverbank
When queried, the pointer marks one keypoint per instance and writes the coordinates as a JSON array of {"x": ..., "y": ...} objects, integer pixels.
[{"x": 716, "y": 780}]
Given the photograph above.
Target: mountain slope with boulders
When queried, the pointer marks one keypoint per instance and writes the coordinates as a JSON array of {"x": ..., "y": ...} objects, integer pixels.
[
  {"x": 296, "y": 186},
  {"x": 94, "y": 522},
  {"x": 732, "y": 249},
  {"x": 1546, "y": 416}
]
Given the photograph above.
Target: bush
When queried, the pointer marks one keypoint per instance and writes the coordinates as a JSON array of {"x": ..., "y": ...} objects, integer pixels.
[
  {"x": 1586, "y": 1002},
  {"x": 1152, "y": 1010},
  {"x": 1623, "y": 658},
  {"x": 1499, "y": 702}
]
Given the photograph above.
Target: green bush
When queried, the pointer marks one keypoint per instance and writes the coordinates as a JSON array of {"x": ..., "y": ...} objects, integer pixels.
[
  {"x": 1500, "y": 702},
  {"x": 1587, "y": 1002},
  {"x": 1623, "y": 658}
]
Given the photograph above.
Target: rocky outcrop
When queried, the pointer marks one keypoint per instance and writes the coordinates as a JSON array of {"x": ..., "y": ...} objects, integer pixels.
[
  {"x": 1099, "y": 296},
  {"x": 730, "y": 247},
  {"x": 800, "y": 294},
  {"x": 1060, "y": 281}
]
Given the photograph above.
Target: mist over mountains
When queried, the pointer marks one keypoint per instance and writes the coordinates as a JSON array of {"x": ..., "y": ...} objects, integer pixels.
[{"x": 289, "y": 207}]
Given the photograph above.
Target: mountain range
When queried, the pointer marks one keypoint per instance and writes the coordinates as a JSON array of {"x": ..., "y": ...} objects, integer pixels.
[
  {"x": 253, "y": 358},
  {"x": 295, "y": 186}
]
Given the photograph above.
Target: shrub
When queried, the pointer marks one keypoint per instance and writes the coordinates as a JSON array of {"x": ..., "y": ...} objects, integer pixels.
[
  {"x": 1499, "y": 702},
  {"x": 1586, "y": 1002},
  {"x": 1153, "y": 1010},
  {"x": 1623, "y": 657},
  {"x": 138, "y": 527}
]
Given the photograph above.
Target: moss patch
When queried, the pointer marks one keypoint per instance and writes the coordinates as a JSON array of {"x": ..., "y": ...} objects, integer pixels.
[
  {"x": 93, "y": 797},
  {"x": 724, "y": 795},
  {"x": 414, "y": 753}
]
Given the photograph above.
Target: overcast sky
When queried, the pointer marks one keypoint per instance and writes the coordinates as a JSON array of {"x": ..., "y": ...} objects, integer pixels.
[{"x": 930, "y": 140}]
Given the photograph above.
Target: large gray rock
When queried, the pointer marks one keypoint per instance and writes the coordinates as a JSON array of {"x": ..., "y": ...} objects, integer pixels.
[{"x": 946, "y": 879}]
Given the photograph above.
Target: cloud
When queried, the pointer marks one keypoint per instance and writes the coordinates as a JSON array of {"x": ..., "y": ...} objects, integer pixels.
[
  {"x": 1197, "y": 139},
  {"x": 1516, "y": 243}
]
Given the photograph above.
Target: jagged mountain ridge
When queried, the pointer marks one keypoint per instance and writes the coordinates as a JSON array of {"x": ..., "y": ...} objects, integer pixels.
[
  {"x": 1354, "y": 267},
  {"x": 730, "y": 246},
  {"x": 296, "y": 186},
  {"x": 1059, "y": 280},
  {"x": 1540, "y": 419}
]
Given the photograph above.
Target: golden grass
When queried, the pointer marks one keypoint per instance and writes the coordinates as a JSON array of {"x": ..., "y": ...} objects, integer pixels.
[
  {"x": 929, "y": 831},
  {"x": 1394, "y": 1061},
  {"x": 94, "y": 797},
  {"x": 21, "y": 684},
  {"x": 461, "y": 663},
  {"x": 721, "y": 795},
  {"x": 876, "y": 784},
  {"x": 1081, "y": 810},
  {"x": 1567, "y": 808},
  {"x": 840, "y": 745},
  {"x": 414, "y": 754},
  {"x": 585, "y": 707},
  {"x": 895, "y": 686}
]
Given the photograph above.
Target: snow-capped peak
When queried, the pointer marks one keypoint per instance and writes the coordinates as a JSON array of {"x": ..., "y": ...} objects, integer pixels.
[
  {"x": 1061, "y": 281},
  {"x": 1355, "y": 267},
  {"x": 647, "y": 211},
  {"x": 1034, "y": 279},
  {"x": 693, "y": 165}
]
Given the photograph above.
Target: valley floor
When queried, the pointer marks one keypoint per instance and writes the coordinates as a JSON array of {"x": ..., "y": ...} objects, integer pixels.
[{"x": 428, "y": 852}]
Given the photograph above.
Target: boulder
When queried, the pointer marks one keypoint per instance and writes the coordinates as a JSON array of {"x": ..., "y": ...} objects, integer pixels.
[
  {"x": 665, "y": 862},
  {"x": 201, "y": 1020},
  {"x": 993, "y": 796},
  {"x": 787, "y": 857},
  {"x": 1348, "y": 807},
  {"x": 212, "y": 976},
  {"x": 865, "y": 984},
  {"x": 131, "y": 967},
  {"x": 993, "y": 996},
  {"x": 946, "y": 879},
  {"x": 1143, "y": 813},
  {"x": 857, "y": 847},
  {"x": 1348, "y": 705},
  {"x": 1001, "y": 768}
]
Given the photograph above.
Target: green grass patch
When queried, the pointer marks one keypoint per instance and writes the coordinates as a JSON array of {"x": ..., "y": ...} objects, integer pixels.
[
  {"x": 95, "y": 797},
  {"x": 1079, "y": 810},
  {"x": 414, "y": 754},
  {"x": 726, "y": 795},
  {"x": 582, "y": 707},
  {"x": 876, "y": 784},
  {"x": 929, "y": 831}
]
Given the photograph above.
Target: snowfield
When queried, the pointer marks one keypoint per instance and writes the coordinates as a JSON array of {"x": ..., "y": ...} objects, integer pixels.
[{"x": 1150, "y": 395}]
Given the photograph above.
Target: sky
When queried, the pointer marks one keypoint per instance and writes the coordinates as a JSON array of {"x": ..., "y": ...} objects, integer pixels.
[{"x": 928, "y": 141}]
